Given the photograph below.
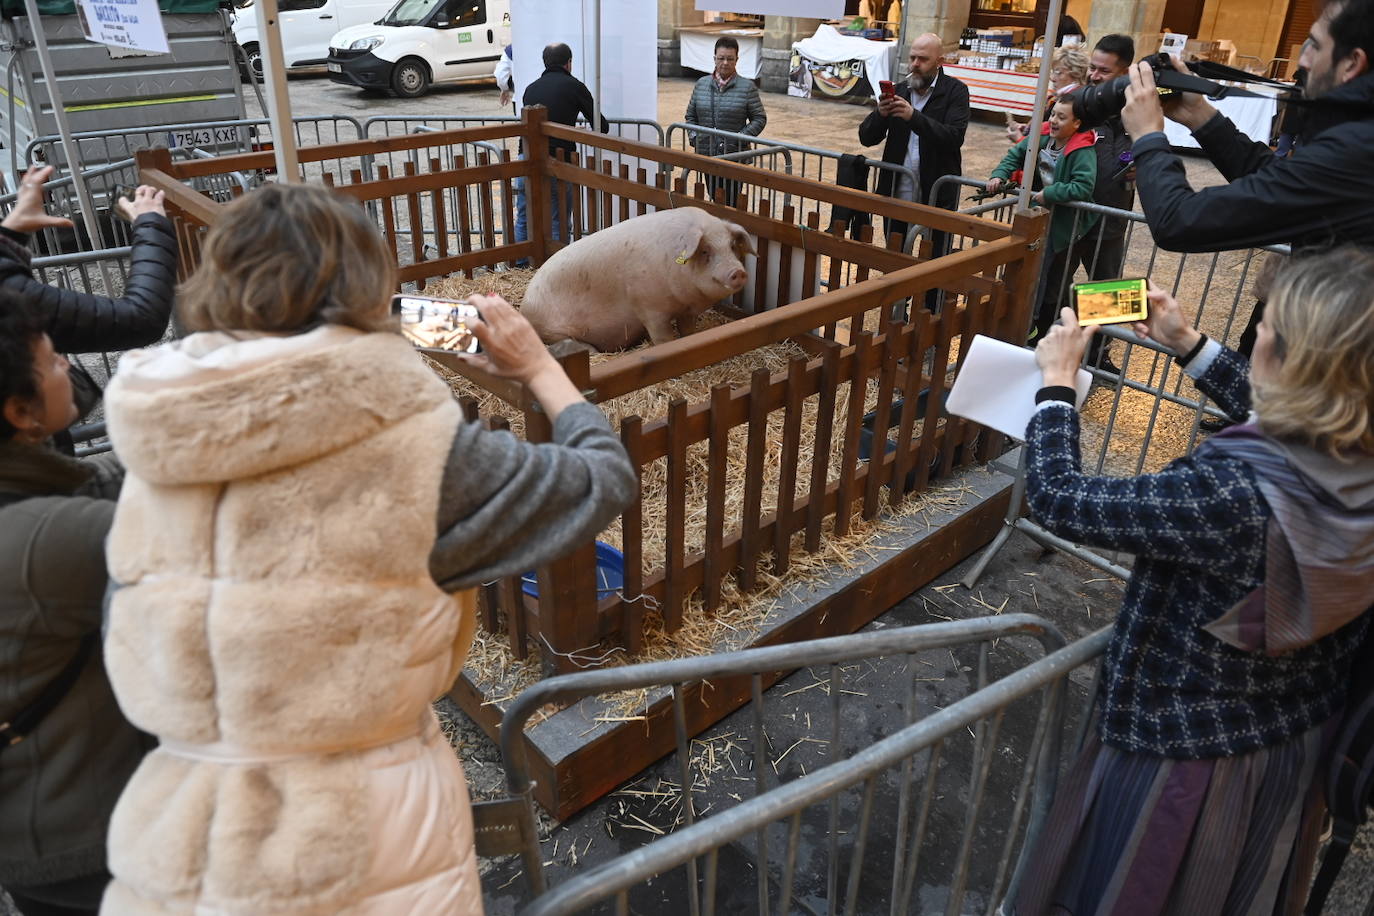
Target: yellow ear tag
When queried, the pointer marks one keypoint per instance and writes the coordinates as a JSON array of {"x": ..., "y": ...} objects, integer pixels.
[{"x": 683, "y": 258}]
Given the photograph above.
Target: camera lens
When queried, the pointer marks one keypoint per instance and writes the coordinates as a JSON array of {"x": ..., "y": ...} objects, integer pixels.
[{"x": 1096, "y": 105}]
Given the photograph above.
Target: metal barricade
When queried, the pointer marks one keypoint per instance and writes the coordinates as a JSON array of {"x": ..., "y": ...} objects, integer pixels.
[
  {"x": 1143, "y": 412},
  {"x": 803, "y": 162},
  {"x": 936, "y": 816}
]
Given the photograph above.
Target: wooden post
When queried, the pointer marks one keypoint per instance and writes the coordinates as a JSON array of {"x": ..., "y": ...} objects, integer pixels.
[
  {"x": 567, "y": 586},
  {"x": 1023, "y": 277},
  {"x": 537, "y": 216}
]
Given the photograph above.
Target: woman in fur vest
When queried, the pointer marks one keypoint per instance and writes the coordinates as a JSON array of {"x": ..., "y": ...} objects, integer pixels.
[{"x": 304, "y": 518}]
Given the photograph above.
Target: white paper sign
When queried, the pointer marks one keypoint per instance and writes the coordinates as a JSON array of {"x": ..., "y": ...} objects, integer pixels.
[
  {"x": 805, "y": 9},
  {"x": 123, "y": 24},
  {"x": 997, "y": 384}
]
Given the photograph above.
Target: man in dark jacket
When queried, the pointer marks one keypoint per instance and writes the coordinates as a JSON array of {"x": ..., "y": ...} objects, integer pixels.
[
  {"x": 923, "y": 123},
  {"x": 566, "y": 97},
  {"x": 1317, "y": 197}
]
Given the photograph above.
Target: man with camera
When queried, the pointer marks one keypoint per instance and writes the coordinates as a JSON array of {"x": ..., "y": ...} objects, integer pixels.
[{"x": 1318, "y": 197}]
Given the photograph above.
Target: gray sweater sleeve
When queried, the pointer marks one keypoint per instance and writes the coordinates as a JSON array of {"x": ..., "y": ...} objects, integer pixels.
[{"x": 507, "y": 506}]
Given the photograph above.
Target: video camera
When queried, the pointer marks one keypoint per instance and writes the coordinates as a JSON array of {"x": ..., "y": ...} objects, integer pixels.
[{"x": 1098, "y": 104}]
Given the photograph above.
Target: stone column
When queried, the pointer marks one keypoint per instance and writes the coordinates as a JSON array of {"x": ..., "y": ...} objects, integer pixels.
[
  {"x": 778, "y": 34},
  {"x": 1140, "y": 19},
  {"x": 947, "y": 19},
  {"x": 671, "y": 15}
]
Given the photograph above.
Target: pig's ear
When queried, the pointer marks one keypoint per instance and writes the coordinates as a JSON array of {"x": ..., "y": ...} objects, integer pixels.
[
  {"x": 689, "y": 243},
  {"x": 741, "y": 240}
]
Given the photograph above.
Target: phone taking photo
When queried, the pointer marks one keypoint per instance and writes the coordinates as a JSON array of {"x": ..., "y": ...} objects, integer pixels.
[
  {"x": 1111, "y": 301},
  {"x": 885, "y": 89},
  {"x": 438, "y": 324}
]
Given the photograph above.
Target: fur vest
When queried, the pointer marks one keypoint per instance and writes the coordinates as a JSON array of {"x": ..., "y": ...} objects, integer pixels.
[{"x": 277, "y": 627}]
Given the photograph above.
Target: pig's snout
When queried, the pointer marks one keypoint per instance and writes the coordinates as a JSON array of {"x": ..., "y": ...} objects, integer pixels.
[{"x": 736, "y": 279}]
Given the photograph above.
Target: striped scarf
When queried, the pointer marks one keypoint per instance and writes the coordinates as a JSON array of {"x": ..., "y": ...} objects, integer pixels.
[{"x": 1319, "y": 545}]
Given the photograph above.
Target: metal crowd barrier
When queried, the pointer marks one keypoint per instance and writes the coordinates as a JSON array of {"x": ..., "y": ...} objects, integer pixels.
[
  {"x": 1145, "y": 412},
  {"x": 979, "y": 863}
]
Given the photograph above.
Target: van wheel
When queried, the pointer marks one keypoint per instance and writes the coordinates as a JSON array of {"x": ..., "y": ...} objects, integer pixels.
[
  {"x": 250, "y": 64},
  {"x": 410, "y": 78}
]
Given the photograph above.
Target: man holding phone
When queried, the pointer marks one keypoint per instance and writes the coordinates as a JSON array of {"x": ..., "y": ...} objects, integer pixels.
[{"x": 923, "y": 122}]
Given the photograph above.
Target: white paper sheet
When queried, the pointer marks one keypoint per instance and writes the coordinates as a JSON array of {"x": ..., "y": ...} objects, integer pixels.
[{"x": 996, "y": 386}]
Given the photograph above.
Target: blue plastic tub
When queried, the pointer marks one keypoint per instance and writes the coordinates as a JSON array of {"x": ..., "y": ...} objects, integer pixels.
[{"x": 610, "y": 573}]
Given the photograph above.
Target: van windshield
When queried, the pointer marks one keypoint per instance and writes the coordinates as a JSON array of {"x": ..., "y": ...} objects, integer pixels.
[{"x": 410, "y": 12}]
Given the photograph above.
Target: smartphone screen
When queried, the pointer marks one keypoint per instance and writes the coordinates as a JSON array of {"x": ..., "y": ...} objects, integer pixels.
[
  {"x": 441, "y": 324},
  {"x": 1110, "y": 301}
]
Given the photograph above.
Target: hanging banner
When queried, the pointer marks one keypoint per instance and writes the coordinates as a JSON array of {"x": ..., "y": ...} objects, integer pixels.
[
  {"x": 125, "y": 24},
  {"x": 805, "y": 9}
]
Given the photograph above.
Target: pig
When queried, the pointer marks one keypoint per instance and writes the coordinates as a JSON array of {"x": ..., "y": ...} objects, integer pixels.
[{"x": 641, "y": 276}]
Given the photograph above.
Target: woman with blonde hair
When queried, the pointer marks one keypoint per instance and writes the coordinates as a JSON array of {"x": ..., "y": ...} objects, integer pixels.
[
  {"x": 304, "y": 518},
  {"x": 1068, "y": 71},
  {"x": 1231, "y": 656}
]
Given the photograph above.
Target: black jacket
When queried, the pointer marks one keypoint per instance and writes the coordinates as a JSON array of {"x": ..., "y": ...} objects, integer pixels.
[
  {"x": 940, "y": 126},
  {"x": 566, "y": 97},
  {"x": 84, "y": 323},
  {"x": 1112, "y": 143},
  {"x": 1318, "y": 197}
]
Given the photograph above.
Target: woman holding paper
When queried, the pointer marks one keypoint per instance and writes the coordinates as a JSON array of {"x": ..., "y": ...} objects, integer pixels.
[{"x": 1231, "y": 654}]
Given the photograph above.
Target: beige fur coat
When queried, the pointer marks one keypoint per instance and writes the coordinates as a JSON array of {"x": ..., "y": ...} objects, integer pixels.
[{"x": 278, "y": 629}]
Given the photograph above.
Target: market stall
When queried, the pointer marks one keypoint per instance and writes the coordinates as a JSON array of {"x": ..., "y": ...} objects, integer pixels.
[
  {"x": 996, "y": 90},
  {"x": 834, "y": 65},
  {"x": 698, "y": 44}
]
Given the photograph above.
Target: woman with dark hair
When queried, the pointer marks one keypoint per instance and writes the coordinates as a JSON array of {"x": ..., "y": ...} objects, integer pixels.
[
  {"x": 1231, "y": 656},
  {"x": 66, "y": 751}
]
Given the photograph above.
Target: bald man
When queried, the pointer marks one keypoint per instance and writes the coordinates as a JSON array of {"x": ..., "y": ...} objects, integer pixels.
[{"x": 923, "y": 124}]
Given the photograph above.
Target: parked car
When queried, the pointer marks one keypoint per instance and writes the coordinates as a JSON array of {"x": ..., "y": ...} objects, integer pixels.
[
  {"x": 306, "y": 27},
  {"x": 422, "y": 42}
]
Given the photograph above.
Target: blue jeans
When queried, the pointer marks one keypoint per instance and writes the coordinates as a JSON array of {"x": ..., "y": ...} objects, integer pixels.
[{"x": 521, "y": 219}]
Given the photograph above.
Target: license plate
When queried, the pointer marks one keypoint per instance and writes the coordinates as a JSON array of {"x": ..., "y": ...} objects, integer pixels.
[
  {"x": 203, "y": 136},
  {"x": 334, "y": 68}
]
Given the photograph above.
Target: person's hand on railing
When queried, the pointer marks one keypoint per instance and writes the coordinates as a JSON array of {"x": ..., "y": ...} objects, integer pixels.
[
  {"x": 993, "y": 186},
  {"x": 28, "y": 215},
  {"x": 145, "y": 200},
  {"x": 512, "y": 349},
  {"x": 1166, "y": 325},
  {"x": 1059, "y": 353}
]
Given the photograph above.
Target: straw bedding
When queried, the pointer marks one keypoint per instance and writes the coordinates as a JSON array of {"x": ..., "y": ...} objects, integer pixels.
[{"x": 740, "y": 616}]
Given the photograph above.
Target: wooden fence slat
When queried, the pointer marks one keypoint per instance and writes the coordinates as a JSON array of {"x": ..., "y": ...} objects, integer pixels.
[
  {"x": 939, "y": 365},
  {"x": 676, "y": 516},
  {"x": 513, "y": 604},
  {"x": 787, "y": 480},
  {"x": 753, "y": 478},
  {"x": 439, "y": 204},
  {"x": 604, "y": 218},
  {"x": 507, "y": 206},
  {"x": 488, "y": 209},
  {"x": 487, "y": 598},
  {"x": 464, "y": 201},
  {"x": 624, "y": 212},
  {"x": 632, "y": 544},
  {"x": 810, "y": 262},
  {"x": 858, "y": 388},
  {"x": 893, "y": 340},
  {"x": 417, "y": 224},
  {"x": 919, "y": 342},
  {"x": 820, "y": 462},
  {"x": 715, "y": 492},
  {"x": 789, "y": 215},
  {"x": 761, "y": 274},
  {"x": 388, "y": 217}
]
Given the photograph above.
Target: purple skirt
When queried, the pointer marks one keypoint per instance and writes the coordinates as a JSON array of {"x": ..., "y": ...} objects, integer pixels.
[{"x": 1133, "y": 834}]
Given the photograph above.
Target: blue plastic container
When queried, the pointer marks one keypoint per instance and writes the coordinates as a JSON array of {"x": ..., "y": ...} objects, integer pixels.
[{"x": 610, "y": 573}]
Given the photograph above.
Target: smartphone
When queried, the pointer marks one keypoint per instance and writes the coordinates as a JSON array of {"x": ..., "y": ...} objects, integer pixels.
[
  {"x": 442, "y": 324},
  {"x": 1110, "y": 301},
  {"x": 885, "y": 88}
]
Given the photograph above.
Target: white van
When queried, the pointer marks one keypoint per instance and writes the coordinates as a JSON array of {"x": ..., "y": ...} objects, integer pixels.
[
  {"x": 306, "y": 27},
  {"x": 421, "y": 42}
]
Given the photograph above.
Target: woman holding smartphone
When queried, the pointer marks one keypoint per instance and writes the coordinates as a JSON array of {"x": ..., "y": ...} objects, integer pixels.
[{"x": 1229, "y": 665}]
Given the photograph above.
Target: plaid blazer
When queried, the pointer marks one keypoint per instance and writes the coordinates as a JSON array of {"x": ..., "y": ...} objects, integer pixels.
[{"x": 1197, "y": 530}]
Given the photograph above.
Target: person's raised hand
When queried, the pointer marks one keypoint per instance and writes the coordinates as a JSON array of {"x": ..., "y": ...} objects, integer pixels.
[
  {"x": 511, "y": 347},
  {"x": 145, "y": 200},
  {"x": 28, "y": 214},
  {"x": 1166, "y": 325},
  {"x": 894, "y": 106},
  {"x": 1060, "y": 352},
  {"x": 1142, "y": 113},
  {"x": 1191, "y": 109}
]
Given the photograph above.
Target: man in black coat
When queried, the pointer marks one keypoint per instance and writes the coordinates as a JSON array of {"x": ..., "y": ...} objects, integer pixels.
[
  {"x": 1318, "y": 197},
  {"x": 566, "y": 97},
  {"x": 923, "y": 123}
]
